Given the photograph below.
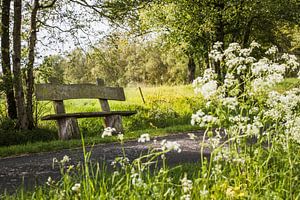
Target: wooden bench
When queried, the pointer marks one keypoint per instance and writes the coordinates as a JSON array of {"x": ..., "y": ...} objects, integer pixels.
[{"x": 67, "y": 122}]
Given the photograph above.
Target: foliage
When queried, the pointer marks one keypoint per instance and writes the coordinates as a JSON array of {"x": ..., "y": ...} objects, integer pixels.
[
  {"x": 196, "y": 25},
  {"x": 118, "y": 60},
  {"x": 10, "y": 136}
]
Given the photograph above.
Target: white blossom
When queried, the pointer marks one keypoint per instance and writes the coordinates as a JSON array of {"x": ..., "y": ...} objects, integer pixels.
[
  {"x": 108, "y": 132},
  {"x": 65, "y": 159},
  {"x": 76, "y": 187},
  {"x": 144, "y": 138},
  {"x": 254, "y": 44},
  {"x": 120, "y": 137},
  {"x": 169, "y": 146},
  {"x": 272, "y": 50},
  {"x": 192, "y": 136},
  {"x": 186, "y": 184}
]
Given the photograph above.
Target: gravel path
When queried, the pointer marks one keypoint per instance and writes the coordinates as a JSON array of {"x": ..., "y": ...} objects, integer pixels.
[{"x": 34, "y": 169}]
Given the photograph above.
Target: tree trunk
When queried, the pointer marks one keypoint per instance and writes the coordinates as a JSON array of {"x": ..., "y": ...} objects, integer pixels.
[
  {"x": 22, "y": 121},
  {"x": 5, "y": 47},
  {"x": 247, "y": 32},
  {"x": 30, "y": 78},
  {"x": 219, "y": 35},
  {"x": 191, "y": 69}
]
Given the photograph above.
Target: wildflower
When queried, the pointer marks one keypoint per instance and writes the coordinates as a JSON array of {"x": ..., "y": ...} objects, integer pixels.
[
  {"x": 70, "y": 167},
  {"x": 120, "y": 137},
  {"x": 214, "y": 142},
  {"x": 196, "y": 118},
  {"x": 230, "y": 192},
  {"x": 209, "y": 89},
  {"x": 50, "y": 181},
  {"x": 144, "y": 138},
  {"x": 230, "y": 102},
  {"x": 216, "y": 55},
  {"x": 137, "y": 180},
  {"x": 169, "y": 192},
  {"x": 217, "y": 45},
  {"x": 293, "y": 127},
  {"x": 272, "y": 50},
  {"x": 192, "y": 136},
  {"x": 186, "y": 184},
  {"x": 122, "y": 161},
  {"x": 186, "y": 197},
  {"x": 76, "y": 187},
  {"x": 204, "y": 191},
  {"x": 245, "y": 52},
  {"x": 108, "y": 132},
  {"x": 254, "y": 45},
  {"x": 65, "y": 159},
  {"x": 169, "y": 146}
]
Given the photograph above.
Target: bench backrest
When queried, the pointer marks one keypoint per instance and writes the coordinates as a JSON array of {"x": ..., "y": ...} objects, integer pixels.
[{"x": 56, "y": 92}]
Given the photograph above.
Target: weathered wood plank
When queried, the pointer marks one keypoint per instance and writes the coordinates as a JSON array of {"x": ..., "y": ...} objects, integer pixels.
[
  {"x": 113, "y": 121},
  {"x": 87, "y": 114},
  {"x": 77, "y": 91}
]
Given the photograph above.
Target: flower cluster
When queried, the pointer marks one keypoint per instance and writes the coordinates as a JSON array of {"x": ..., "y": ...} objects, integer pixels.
[
  {"x": 202, "y": 119},
  {"x": 170, "y": 146},
  {"x": 108, "y": 132},
  {"x": 187, "y": 186},
  {"x": 144, "y": 138}
]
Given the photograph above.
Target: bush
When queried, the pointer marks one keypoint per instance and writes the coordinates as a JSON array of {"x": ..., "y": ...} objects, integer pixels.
[{"x": 11, "y": 136}]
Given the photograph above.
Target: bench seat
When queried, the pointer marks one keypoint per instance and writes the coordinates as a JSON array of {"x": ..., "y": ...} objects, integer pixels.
[
  {"x": 87, "y": 114},
  {"x": 67, "y": 122}
]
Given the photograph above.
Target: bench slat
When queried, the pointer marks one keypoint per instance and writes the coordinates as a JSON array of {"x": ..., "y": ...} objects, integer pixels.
[
  {"x": 88, "y": 114},
  {"x": 77, "y": 91}
]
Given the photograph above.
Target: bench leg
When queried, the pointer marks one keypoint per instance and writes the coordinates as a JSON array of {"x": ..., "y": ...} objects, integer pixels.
[
  {"x": 68, "y": 128},
  {"x": 114, "y": 121}
]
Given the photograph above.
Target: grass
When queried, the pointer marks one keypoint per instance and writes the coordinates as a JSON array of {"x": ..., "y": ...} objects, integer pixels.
[{"x": 287, "y": 84}]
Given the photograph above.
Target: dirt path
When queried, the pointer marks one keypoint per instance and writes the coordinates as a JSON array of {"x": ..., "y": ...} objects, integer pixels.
[{"x": 34, "y": 169}]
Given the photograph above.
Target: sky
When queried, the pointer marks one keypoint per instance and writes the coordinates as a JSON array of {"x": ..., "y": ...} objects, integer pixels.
[{"x": 66, "y": 43}]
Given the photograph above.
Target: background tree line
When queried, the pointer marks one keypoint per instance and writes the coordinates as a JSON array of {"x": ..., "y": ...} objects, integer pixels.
[{"x": 119, "y": 60}]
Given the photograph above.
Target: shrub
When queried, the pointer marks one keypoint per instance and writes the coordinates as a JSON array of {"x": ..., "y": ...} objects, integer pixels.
[{"x": 10, "y": 136}]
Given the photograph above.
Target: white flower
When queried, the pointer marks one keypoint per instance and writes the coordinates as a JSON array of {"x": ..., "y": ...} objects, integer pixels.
[
  {"x": 192, "y": 136},
  {"x": 120, "y": 137},
  {"x": 204, "y": 192},
  {"x": 186, "y": 197},
  {"x": 196, "y": 118},
  {"x": 254, "y": 44},
  {"x": 186, "y": 184},
  {"x": 245, "y": 52},
  {"x": 50, "y": 181},
  {"x": 209, "y": 89},
  {"x": 76, "y": 187},
  {"x": 108, "y": 132},
  {"x": 144, "y": 138},
  {"x": 272, "y": 50},
  {"x": 65, "y": 159},
  {"x": 230, "y": 102},
  {"x": 169, "y": 146},
  {"x": 217, "y": 45},
  {"x": 293, "y": 127}
]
